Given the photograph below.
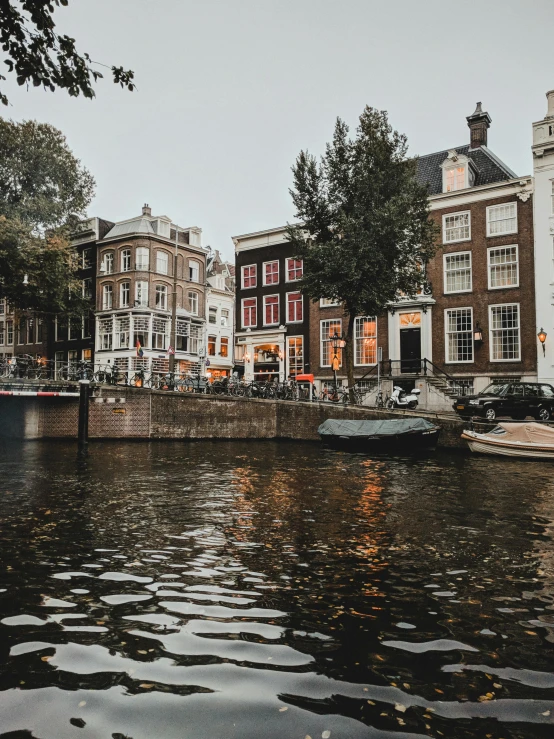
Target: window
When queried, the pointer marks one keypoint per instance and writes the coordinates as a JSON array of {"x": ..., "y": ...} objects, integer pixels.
[
  {"x": 463, "y": 386},
  {"x": 327, "y": 329},
  {"x": 365, "y": 341},
  {"x": 86, "y": 258},
  {"x": 87, "y": 355},
  {"x": 295, "y": 355},
  {"x": 552, "y": 198},
  {"x": 224, "y": 346},
  {"x": 294, "y": 269},
  {"x": 459, "y": 335},
  {"x": 105, "y": 326},
  {"x": 107, "y": 297},
  {"x": 141, "y": 293},
  {"x": 212, "y": 315},
  {"x": 159, "y": 333},
  {"x": 122, "y": 326},
  {"x": 162, "y": 262},
  {"x": 502, "y": 219},
  {"x": 74, "y": 329},
  {"x": 124, "y": 295},
  {"x": 108, "y": 263},
  {"x": 161, "y": 297},
  {"x": 194, "y": 271},
  {"x": 504, "y": 333},
  {"x": 2, "y": 307},
  {"x": 193, "y": 303},
  {"x": 271, "y": 273},
  {"x": 327, "y": 303},
  {"x": 249, "y": 312},
  {"x": 457, "y": 272},
  {"x": 225, "y": 316},
  {"x": 211, "y": 346},
  {"x": 503, "y": 267},
  {"x": 126, "y": 260},
  {"x": 271, "y": 310},
  {"x": 9, "y": 332},
  {"x": 1, "y": 334},
  {"x": 294, "y": 308},
  {"x": 455, "y": 179},
  {"x": 141, "y": 328},
  {"x": 87, "y": 288},
  {"x": 143, "y": 258},
  {"x": 456, "y": 227},
  {"x": 249, "y": 276}
]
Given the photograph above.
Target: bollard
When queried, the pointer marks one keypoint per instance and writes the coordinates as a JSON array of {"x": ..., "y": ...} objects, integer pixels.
[{"x": 82, "y": 435}]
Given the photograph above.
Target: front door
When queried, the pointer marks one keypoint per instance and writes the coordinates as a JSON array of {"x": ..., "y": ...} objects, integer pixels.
[{"x": 410, "y": 350}]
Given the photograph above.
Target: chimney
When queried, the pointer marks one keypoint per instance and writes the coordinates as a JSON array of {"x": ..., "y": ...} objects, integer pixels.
[
  {"x": 146, "y": 210},
  {"x": 550, "y": 98},
  {"x": 478, "y": 123}
]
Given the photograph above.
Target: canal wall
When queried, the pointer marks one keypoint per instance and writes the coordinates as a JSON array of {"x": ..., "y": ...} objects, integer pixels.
[{"x": 130, "y": 413}]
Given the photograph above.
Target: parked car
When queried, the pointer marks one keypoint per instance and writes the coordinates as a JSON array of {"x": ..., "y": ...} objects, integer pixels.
[{"x": 515, "y": 399}]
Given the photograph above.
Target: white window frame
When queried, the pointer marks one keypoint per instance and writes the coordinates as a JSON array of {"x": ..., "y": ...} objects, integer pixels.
[
  {"x": 301, "y": 301},
  {"x": 212, "y": 311},
  {"x": 552, "y": 198},
  {"x": 491, "y": 330},
  {"x": 164, "y": 256},
  {"x": 126, "y": 256},
  {"x": 142, "y": 251},
  {"x": 356, "y": 339},
  {"x": 273, "y": 323},
  {"x": 193, "y": 301},
  {"x": 289, "y": 339},
  {"x": 248, "y": 266},
  {"x": 86, "y": 255},
  {"x": 109, "y": 260},
  {"x": 255, "y": 306},
  {"x": 453, "y": 215},
  {"x": 224, "y": 342},
  {"x": 323, "y": 342},
  {"x": 122, "y": 303},
  {"x": 445, "y": 281},
  {"x": 141, "y": 286},
  {"x": 489, "y": 273},
  {"x": 161, "y": 297},
  {"x": 291, "y": 259},
  {"x": 447, "y": 334},
  {"x": 269, "y": 284},
  {"x": 322, "y": 304},
  {"x": 107, "y": 290},
  {"x": 194, "y": 265},
  {"x": 491, "y": 209}
]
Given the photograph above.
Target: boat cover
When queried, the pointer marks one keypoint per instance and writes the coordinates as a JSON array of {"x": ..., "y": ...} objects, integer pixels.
[
  {"x": 526, "y": 432},
  {"x": 388, "y": 427}
]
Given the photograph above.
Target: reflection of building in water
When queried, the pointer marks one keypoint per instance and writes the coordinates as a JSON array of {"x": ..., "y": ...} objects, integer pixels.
[{"x": 544, "y": 545}]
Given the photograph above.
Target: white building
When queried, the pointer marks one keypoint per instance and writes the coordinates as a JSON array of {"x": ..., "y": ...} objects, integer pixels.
[
  {"x": 543, "y": 220},
  {"x": 220, "y": 308}
]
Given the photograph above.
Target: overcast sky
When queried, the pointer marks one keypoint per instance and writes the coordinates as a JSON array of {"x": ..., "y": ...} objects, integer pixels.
[{"x": 229, "y": 91}]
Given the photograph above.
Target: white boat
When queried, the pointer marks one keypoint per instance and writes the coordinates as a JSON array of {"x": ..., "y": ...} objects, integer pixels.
[{"x": 531, "y": 440}]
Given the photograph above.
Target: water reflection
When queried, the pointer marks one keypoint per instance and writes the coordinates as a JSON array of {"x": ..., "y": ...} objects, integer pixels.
[{"x": 256, "y": 589}]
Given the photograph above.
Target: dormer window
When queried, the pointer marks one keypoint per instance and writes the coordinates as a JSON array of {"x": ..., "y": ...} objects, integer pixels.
[
  {"x": 455, "y": 179},
  {"x": 457, "y": 172}
]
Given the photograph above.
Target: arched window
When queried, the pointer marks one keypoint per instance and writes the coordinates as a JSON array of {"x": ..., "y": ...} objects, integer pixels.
[
  {"x": 126, "y": 260},
  {"x": 194, "y": 270}
]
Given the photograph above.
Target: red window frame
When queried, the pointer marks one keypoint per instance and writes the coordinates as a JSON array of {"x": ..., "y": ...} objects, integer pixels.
[
  {"x": 295, "y": 307},
  {"x": 249, "y": 276},
  {"x": 295, "y": 269},
  {"x": 249, "y": 306},
  {"x": 271, "y": 273},
  {"x": 271, "y": 310}
]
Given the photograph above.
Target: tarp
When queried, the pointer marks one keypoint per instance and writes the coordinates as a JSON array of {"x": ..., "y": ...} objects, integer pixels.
[
  {"x": 389, "y": 427},
  {"x": 535, "y": 433}
]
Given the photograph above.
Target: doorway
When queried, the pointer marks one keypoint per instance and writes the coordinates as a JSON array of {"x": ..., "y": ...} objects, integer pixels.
[{"x": 410, "y": 350}]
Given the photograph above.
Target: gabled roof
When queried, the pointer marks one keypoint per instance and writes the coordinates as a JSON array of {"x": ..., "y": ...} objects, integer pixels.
[
  {"x": 134, "y": 226},
  {"x": 488, "y": 167}
]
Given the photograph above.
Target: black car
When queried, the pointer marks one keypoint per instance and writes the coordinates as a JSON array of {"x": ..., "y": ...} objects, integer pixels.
[{"x": 515, "y": 399}]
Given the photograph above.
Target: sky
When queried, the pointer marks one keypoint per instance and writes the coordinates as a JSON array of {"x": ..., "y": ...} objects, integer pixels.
[{"x": 229, "y": 92}]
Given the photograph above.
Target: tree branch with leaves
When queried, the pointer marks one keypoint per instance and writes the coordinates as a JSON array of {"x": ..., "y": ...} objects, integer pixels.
[{"x": 365, "y": 233}]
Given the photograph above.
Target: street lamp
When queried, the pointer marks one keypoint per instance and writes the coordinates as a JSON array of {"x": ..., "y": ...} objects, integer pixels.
[
  {"x": 478, "y": 334},
  {"x": 542, "y": 338},
  {"x": 337, "y": 342}
]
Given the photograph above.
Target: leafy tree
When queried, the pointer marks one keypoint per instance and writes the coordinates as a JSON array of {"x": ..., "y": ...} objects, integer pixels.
[
  {"x": 44, "y": 191},
  {"x": 37, "y": 54},
  {"x": 366, "y": 233}
]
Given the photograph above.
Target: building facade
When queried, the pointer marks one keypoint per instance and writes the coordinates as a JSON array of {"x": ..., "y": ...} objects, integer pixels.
[
  {"x": 220, "y": 314},
  {"x": 272, "y": 323},
  {"x": 543, "y": 170},
  {"x": 144, "y": 264}
]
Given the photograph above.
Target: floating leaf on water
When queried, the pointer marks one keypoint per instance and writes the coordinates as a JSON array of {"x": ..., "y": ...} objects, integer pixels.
[
  {"x": 546, "y": 713},
  {"x": 82, "y": 703},
  {"x": 399, "y": 707},
  {"x": 146, "y": 686},
  {"x": 47, "y": 657},
  {"x": 326, "y": 734},
  {"x": 283, "y": 709}
]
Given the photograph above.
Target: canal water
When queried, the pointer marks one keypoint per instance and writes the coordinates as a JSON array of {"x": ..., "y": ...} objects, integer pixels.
[{"x": 261, "y": 590}]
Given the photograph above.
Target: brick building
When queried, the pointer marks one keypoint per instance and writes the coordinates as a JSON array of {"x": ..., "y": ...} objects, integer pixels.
[{"x": 272, "y": 327}]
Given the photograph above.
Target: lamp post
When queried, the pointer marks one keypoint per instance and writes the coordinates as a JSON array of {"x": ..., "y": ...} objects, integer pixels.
[
  {"x": 337, "y": 342},
  {"x": 478, "y": 334},
  {"x": 542, "y": 338}
]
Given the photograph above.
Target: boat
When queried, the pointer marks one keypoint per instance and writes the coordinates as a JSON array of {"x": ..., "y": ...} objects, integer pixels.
[
  {"x": 528, "y": 440},
  {"x": 403, "y": 434}
]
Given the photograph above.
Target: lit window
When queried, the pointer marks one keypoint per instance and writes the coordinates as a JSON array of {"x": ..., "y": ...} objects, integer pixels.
[
  {"x": 107, "y": 297},
  {"x": 295, "y": 354},
  {"x": 143, "y": 258},
  {"x": 162, "y": 262},
  {"x": 161, "y": 297},
  {"x": 294, "y": 269},
  {"x": 194, "y": 271},
  {"x": 249, "y": 276},
  {"x": 455, "y": 179},
  {"x": 224, "y": 346},
  {"x": 108, "y": 263},
  {"x": 211, "y": 346},
  {"x": 141, "y": 293},
  {"x": 294, "y": 308},
  {"x": 457, "y": 272},
  {"x": 124, "y": 295},
  {"x": 193, "y": 303},
  {"x": 457, "y": 227},
  {"x": 271, "y": 310},
  {"x": 503, "y": 267},
  {"x": 126, "y": 260},
  {"x": 271, "y": 273},
  {"x": 459, "y": 335},
  {"x": 327, "y": 329},
  {"x": 504, "y": 333},
  {"x": 502, "y": 219},
  {"x": 365, "y": 341},
  {"x": 249, "y": 312}
]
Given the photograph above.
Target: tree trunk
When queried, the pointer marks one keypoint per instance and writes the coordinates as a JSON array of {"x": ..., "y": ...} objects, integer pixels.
[{"x": 349, "y": 356}]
